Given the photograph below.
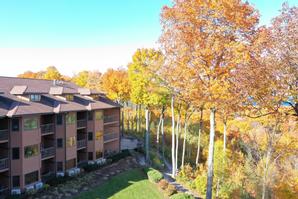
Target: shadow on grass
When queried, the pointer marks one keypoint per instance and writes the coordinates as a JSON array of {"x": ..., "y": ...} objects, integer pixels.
[{"x": 117, "y": 184}]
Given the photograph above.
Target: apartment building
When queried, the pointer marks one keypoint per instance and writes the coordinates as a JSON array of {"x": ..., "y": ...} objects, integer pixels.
[{"x": 50, "y": 127}]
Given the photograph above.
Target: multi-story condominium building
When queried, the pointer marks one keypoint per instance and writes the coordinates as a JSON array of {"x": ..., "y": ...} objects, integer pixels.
[{"x": 51, "y": 127}]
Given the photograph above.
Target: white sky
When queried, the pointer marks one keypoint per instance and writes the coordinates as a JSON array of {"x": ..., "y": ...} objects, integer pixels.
[{"x": 14, "y": 61}]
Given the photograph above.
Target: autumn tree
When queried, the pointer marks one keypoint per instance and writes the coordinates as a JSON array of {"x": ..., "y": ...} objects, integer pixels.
[
  {"x": 52, "y": 73},
  {"x": 208, "y": 40},
  {"x": 144, "y": 84},
  {"x": 81, "y": 78}
]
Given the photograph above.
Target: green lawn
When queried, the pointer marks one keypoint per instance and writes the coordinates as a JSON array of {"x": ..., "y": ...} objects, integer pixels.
[{"x": 132, "y": 184}]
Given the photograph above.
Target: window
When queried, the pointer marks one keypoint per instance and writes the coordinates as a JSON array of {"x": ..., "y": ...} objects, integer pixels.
[
  {"x": 90, "y": 115},
  {"x": 98, "y": 115},
  {"x": 90, "y": 155},
  {"x": 98, "y": 135},
  {"x": 16, "y": 153},
  {"x": 98, "y": 154},
  {"x": 69, "y": 97},
  {"x": 31, "y": 177},
  {"x": 15, "y": 124},
  {"x": 15, "y": 181},
  {"x": 59, "y": 119},
  {"x": 30, "y": 124},
  {"x": 71, "y": 141},
  {"x": 70, "y": 118},
  {"x": 35, "y": 98},
  {"x": 90, "y": 136},
  {"x": 31, "y": 151},
  {"x": 59, "y": 143},
  {"x": 59, "y": 166}
]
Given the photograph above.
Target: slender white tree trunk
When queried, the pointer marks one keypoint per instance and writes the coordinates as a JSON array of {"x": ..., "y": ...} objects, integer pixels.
[
  {"x": 265, "y": 174},
  {"x": 199, "y": 138},
  {"x": 163, "y": 135},
  {"x": 138, "y": 117},
  {"x": 157, "y": 133},
  {"x": 210, "y": 154},
  {"x": 173, "y": 138},
  {"x": 184, "y": 142},
  {"x": 147, "y": 136},
  {"x": 225, "y": 135},
  {"x": 177, "y": 139}
]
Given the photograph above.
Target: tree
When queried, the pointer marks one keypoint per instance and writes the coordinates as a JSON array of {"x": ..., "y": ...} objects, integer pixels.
[
  {"x": 52, "y": 73},
  {"x": 81, "y": 78},
  {"x": 206, "y": 41},
  {"x": 28, "y": 74},
  {"x": 145, "y": 87}
]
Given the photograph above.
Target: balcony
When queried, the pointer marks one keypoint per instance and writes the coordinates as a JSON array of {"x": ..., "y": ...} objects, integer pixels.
[
  {"x": 81, "y": 144},
  {"x": 3, "y": 164},
  {"x": 4, "y": 135},
  {"x": 47, "y": 128},
  {"x": 48, "y": 152},
  {"x": 82, "y": 123},
  {"x": 110, "y": 137},
  {"x": 110, "y": 119}
]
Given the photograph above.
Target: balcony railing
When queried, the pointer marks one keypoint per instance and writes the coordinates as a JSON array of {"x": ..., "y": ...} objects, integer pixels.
[
  {"x": 110, "y": 136},
  {"x": 47, "y": 128},
  {"x": 4, "y": 135},
  {"x": 48, "y": 152},
  {"x": 81, "y": 143},
  {"x": 110, "y": 118},
  {"x": 3, "y": 190},
  {"x": 3, "y": 163},
  {"x": 81, "y": 123}
]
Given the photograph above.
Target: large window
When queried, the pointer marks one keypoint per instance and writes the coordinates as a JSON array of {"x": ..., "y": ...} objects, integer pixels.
[
  {"x": 59, "y": 119},
  {"x": 31, "y": 151},
  {"x": 15, "y": 181},
  {"x": 16, "y": 153},
  {"x": 90, "y": 115},
  {"x": 90, "y": 136},
  {"x": 34, "y": 98},
  {"x": 59, "y": 143},
  {"x": 71, "y": 141},
  {"x": 98, "y": 135},
  {"x": 70, "y": 118},
  {"x": 30, "y": 124},
  {"x": 31, "y": 178},
  {"x": 98, "y": 115},
  {"x": 15, "y": 124}
]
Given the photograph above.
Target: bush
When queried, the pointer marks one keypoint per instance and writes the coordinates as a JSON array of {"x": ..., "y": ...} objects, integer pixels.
[
  {"x": 163, "y": 184},
  {"x": 154, "y": 175},
  {"x": 59, "y": 180},
  {"x": 182, "y": 196},
  {"x": 119, "y": 156},
  {"x": 171, "y": 189}
]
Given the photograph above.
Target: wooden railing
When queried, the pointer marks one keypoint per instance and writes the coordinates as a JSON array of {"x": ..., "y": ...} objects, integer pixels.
[
  {"x": 110, "y": 118},
  {"x": 110, "y": 136},
  {"x": 4, "y": 135},
  {"x": 3, "y": 163},
  {"x": 47, "y": 128},
  {"x": 81, "y": 123},
  {"x": 81, "y": 143},
  {"x": 48, "y": 152}
]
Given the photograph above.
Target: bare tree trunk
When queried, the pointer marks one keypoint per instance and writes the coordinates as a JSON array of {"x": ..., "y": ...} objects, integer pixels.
[
  {"x": 217, "y": 188},
  {"x": 147, "y": 136},
  {"x": 265, "y": 174},
  {"x": 173, "y": 139},
  {"x": 138, "y": 117},
  {"x": 210, "y": 154},
  {"x": 122, "y": 119},
  {"x": 225, "y": 135},
  {"x": 157, "y": 134},
  {"x": 184, "y": 141},
  {"x": 199, "y": 138},
  {"x": 177, "y": 137},
  {"x": 162, "y": 133}
]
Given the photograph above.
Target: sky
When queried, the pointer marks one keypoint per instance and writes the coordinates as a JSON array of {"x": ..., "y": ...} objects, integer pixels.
[{"x": 76, "y": 35}]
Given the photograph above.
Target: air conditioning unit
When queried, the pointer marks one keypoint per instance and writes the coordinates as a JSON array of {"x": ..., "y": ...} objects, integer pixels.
[
  {"x": 38, "y": 185},
  {"x": 70, "y": 172},
  {"x": 29, "y": 188},
  {"x": 77, "y": 171},
  {"x": 16, "y": 191},
  {"x": 60, "y": 174},
  {"x": 91, "y": 162}
]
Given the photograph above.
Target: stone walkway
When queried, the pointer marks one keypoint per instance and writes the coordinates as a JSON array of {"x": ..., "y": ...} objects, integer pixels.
[{"x": 87, "y": 181}]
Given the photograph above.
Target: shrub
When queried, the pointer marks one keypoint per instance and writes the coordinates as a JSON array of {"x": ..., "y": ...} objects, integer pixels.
[
  {"x": 59, "y": 180},
  {"x": 154, "y": 175},
  {"x": 119, "y": 156},
  {"x": 171, "y": 189},
  {"x": 181, "y": 196},
  {"x": 163, "y": 184}
]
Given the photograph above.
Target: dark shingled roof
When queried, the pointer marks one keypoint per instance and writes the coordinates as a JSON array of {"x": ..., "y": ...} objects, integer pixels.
[{"x": 12, "y": 105}]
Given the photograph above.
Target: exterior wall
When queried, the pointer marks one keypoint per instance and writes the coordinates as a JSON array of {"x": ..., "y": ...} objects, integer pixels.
[{"x": 23, "y": 138}]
